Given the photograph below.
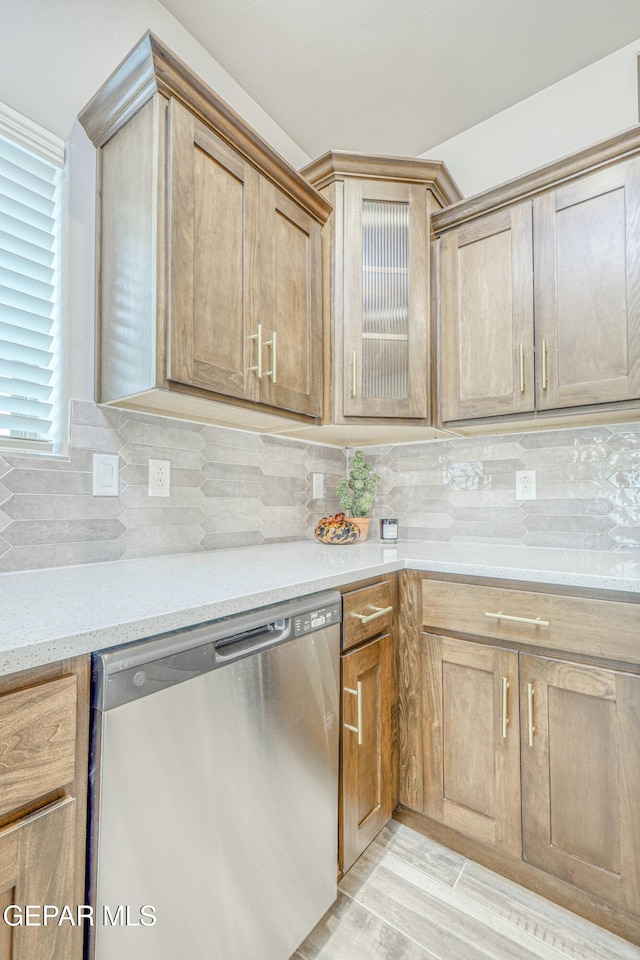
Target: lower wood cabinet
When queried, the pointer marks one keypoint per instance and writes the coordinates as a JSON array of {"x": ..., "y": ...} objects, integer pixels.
[
  {"x": 472, "y": 746},
  {"x": 528, "y": 762},
  {"x": 581, "y": 776},
  {"x": 44, "y": 732},
  {"x": 367, "y": 795}
]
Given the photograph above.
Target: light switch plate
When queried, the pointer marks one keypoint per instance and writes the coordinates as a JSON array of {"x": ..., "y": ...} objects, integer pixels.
[{"x": 105, "y": 474}]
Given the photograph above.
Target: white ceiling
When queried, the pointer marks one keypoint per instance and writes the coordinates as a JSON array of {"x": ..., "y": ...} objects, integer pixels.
[{"x": 400, "y": 76}]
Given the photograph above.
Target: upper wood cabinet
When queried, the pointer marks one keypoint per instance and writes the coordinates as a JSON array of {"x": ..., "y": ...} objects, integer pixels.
[
  {"x": 587, "y": 260},
  {"x": 377, "y": 284},
  {"x": 486, "y": 317},
  {"x": 558, "y": 274},
  {"x": 209, "y": 253}
]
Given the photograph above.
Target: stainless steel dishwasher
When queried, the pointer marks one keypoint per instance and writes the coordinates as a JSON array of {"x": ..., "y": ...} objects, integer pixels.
[{"x": 214, "y": 787}]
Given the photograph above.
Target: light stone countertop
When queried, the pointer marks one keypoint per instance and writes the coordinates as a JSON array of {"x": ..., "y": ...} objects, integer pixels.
[{"x": 51, "y": 614}]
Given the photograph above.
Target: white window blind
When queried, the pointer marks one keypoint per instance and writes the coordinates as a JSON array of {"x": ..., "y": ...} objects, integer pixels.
[{"x": 28, "y": 291}]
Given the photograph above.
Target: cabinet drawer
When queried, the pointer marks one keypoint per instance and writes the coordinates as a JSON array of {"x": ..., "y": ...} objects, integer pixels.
[
  {"x": 598, "y": 628},
  {"x": 37, "y": 742},
  {"x": 366, "y": 613}
]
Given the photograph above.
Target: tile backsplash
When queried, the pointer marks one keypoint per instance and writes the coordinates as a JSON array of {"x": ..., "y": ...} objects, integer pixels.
[
  {"x": 588, "y": 488},
  {"x": 233, "y": 488},
  {"x": 228, "y": 488}
]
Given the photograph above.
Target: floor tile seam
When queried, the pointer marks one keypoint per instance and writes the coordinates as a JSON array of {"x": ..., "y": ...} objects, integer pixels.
[
  {"x": 459, "y": 877},
  {"x": 504, "y": 923},
  {"x": 403, "y": 933}
]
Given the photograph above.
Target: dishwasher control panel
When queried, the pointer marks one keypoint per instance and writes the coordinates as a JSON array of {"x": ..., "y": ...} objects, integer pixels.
[{"x": 317, "y": 619}]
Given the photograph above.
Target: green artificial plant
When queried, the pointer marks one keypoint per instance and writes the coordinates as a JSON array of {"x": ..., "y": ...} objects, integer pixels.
[{"x": 356, "y": 493}]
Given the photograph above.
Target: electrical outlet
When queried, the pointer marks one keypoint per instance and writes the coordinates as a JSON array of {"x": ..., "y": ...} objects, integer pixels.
[
  {"x": 318, "y": 486},
  {"x": 525, "y": 485},
  {"x": 159, "y": 478}
]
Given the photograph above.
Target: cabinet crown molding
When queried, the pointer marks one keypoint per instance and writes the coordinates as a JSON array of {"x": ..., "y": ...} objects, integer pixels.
[
  {"x": 152, "y": 68},
  {"x": 619, "y": 147},
  {"x": 341, "y": 164}
]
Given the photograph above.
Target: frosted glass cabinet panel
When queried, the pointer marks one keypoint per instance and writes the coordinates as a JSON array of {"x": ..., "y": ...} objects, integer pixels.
[{"x": 386, "y": 289}]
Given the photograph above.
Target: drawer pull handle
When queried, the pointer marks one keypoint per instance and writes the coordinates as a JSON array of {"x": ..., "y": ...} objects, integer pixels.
[
  {"x": 378, "y": 612},
  {"x": 532, "y": 728},
  {"x": 543, "y": 351},
  {"x": 522, "y": 384},
  {"x": 505, "y": 706},
  {"x": 354, "y": 376},
  {"x": 504, "y": 616},
  {"x": 356, "y": 693}
]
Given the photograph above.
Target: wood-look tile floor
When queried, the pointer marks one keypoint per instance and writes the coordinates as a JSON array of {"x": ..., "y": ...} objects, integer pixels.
[{"x": 409, "y": 898}]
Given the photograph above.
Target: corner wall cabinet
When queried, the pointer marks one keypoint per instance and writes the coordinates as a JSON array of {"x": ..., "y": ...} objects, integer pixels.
[
  {"x": 377, "y": 283},
  {"x": 43, "y": 789},
  {"x": 540, "y": 291},
  {"x": 210, "y": 258},
  {"x": 527, "y": 760}
]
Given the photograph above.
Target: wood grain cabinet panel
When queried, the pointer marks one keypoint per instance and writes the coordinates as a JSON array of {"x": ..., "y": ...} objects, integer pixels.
[
  {"x": 486, "y": 317},
  {"x": 581, "y": 776},
  {"x": 472, "y": 742},
  {"x": 366, "y": 613},
  {"x": 214, "y": 237},
  {"x": 209, "y": 255},
  {"x": 367, "y": 791},
  {"x": 587, "y": 255}
]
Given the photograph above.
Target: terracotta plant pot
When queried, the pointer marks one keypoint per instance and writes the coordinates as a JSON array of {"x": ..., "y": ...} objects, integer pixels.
[{"x": 363, "y": 524}]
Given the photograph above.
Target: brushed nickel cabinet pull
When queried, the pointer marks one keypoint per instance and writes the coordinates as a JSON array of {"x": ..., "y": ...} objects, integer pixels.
[
  {"x": 543, "y": 350},
  {"x": 354, "y": 379},
  {"x": 356, "y": 693},
  {"x": 532, "y": 728},
  {"x": 367, "y": 618},
  {"x": 522, "y": 368},
  {"x": 272, "y": 343},
  {"x": 505, "y": 706},
  {"x": 258, "y": 336},
  {"x": 504, "y": 616}
]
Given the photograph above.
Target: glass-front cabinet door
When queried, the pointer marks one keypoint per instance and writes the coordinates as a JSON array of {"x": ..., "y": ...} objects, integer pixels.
[{"x": 386, "y": 297}]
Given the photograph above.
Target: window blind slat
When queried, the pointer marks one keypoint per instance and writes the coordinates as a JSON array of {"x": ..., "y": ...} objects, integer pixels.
[
  {"x": 27, "y": 160},
  {"x": 25, "y": 406},
  {"x": 10, "y": 386},
  {"x": 24, "y": 354},
  {"x": 25, "y": 320},
  {"x": 26, "y": 231},
  {"x": 19, "y": 370},
  {"x": 28, "y": 203},
  {"x": 30, "y": 427},
  {"x": 15, "y": 246},
  {"x": 25, "y": 267},
  {"x": 36, "y": 185},
  {"x": 24, "y": 284}
]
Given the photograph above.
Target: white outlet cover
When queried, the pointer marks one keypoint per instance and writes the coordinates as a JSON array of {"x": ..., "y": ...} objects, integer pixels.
[
  {"x": 159, "y": 478},
  {"x": 318, "y": 486},
  {"x": 525, "y": 485}
]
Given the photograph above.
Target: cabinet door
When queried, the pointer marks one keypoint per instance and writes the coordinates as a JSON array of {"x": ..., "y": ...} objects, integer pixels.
[
  {"x": 472, "y": 740},
  {"x": 366, "y": 747},
  {"x": 581, "y": 776},
  {"x": 213, "y": 235},
  {"x": 37, "y": 867},
  {"x": 486, "y": 317},
  {"x": 386, "y": 300},
  {"x": 587, "y": 258},
  {"x": 291, "y": 305}
]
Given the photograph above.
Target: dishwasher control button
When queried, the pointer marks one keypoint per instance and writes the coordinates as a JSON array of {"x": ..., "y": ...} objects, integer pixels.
[{"x": 139, "y": 678}]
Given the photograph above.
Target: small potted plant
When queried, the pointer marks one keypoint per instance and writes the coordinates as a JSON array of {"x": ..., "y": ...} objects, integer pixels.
[{"x": 356, "y": 493}]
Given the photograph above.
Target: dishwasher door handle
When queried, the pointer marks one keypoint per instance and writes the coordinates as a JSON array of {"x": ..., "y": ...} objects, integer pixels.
[{"x": 230, "y": 648}]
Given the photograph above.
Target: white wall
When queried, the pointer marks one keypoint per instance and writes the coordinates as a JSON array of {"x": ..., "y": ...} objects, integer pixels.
[
  {"x": 590, "y": 105},
  {"x": 54, "y": 55}
]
